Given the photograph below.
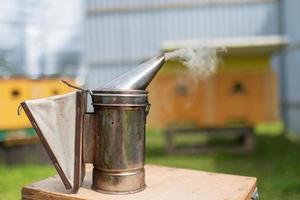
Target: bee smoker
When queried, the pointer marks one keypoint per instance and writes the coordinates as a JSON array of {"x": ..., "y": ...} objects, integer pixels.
[
  {"x": 112, "y": 138},
  {"x": 120, "y": 111},
  {"x": 119, "y": 140}
]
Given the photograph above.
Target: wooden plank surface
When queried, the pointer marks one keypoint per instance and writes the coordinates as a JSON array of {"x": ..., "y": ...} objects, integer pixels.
[{"x": 162, "y": 183}]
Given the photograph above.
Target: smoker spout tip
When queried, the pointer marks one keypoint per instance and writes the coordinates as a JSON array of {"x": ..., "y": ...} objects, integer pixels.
[
  {"x": 139, "y": 77},
  {"x": 162, "y": 57}
]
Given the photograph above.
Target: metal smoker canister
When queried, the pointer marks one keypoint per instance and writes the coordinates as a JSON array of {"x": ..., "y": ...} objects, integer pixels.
[{"x": 120, "y": 141}]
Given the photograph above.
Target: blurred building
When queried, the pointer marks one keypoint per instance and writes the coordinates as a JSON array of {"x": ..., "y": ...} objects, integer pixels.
[
  {"x": 120, "y": 34},
  {"x": 41, "y": 41},
  {"x": 40, "y": 37}
]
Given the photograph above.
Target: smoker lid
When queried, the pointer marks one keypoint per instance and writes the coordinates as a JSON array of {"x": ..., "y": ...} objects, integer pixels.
[
  {"x": 120, "y": 98},
  {"x": 58, "y": 121}
]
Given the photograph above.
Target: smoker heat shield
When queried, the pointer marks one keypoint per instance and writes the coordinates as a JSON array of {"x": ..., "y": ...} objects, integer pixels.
[{"x": 58, "y": 121}]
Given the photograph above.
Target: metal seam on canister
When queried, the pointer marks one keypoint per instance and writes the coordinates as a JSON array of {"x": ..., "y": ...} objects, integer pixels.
[
  {"x": 119, "y": 170},
  {"x": 119, "y": 95},
  {"x": 119, "y": 105},
  {"x": 127, "y": 173}
]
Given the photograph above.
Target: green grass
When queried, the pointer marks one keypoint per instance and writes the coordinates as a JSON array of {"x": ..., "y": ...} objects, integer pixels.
[
  {"x": 12, "y": 178},
  {"x": 276, "y": 164}
]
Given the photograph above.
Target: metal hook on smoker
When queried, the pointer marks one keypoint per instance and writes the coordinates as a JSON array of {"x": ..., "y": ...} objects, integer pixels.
[
  {"x": 19, "y": 109},
  {"x": 147, "y": 108},
  {"x": 75, "y": 87}
]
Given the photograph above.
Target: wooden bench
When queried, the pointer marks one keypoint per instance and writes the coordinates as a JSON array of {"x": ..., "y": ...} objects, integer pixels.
[{"x": 244, "y": 135}]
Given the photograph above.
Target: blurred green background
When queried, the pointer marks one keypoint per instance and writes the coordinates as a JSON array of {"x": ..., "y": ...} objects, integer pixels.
[
  {"x": 95, "y": 40},
  {"x": 278, "y": 171}
]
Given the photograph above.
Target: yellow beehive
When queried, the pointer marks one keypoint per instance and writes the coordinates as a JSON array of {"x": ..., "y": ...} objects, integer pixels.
[
  {"x": 49, "y": 86},
  {"x": 15, "y": 90},
  {"x": 243, "y": 91}
]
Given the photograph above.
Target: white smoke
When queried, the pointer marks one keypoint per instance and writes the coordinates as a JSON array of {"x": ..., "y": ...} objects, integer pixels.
[{"x": 201, "y": 62}]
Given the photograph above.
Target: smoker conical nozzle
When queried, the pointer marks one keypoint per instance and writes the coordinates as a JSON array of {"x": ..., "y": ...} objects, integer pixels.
[{"x": 137, "y": 78}]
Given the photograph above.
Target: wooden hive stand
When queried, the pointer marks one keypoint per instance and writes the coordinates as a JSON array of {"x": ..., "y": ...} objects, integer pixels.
[{"x": 162, "y": 183}]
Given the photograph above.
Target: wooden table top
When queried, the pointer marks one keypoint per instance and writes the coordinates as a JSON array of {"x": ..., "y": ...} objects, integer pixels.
[{"x": 162, "y": 183}]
